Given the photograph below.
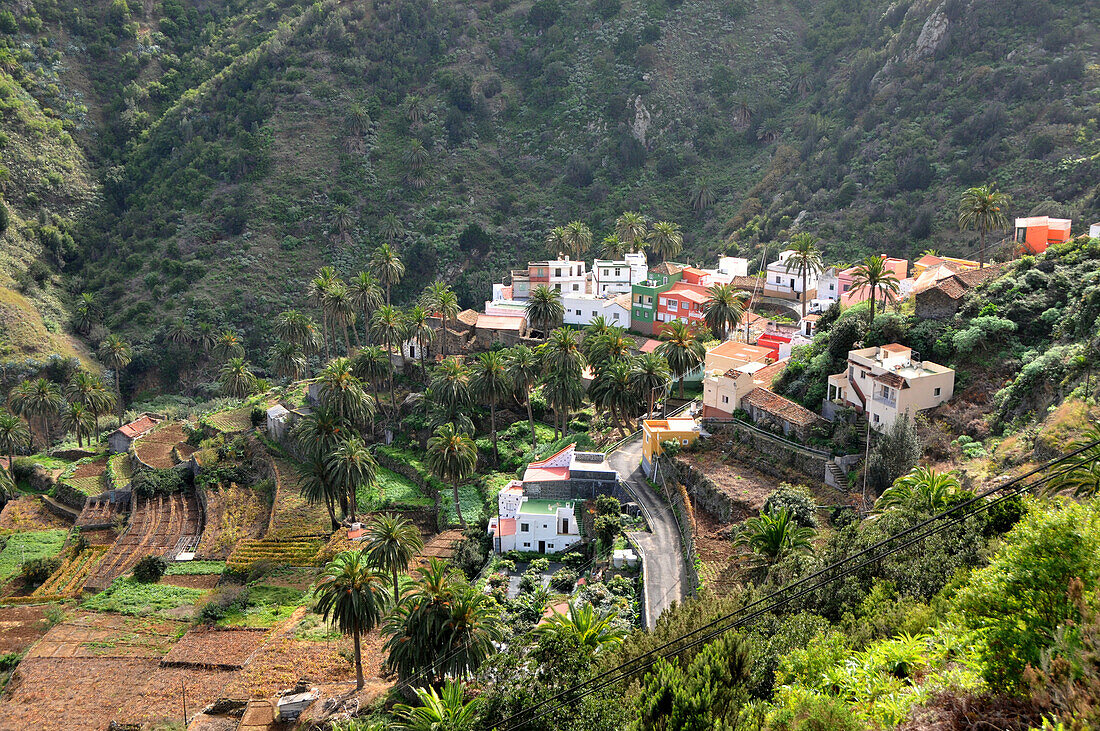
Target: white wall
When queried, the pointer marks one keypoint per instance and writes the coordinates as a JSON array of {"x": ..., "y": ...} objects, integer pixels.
[{"x": 590, "y": 307}]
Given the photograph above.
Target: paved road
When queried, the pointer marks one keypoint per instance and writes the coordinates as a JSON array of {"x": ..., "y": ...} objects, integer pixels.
[{"x": 663, "y": 555}]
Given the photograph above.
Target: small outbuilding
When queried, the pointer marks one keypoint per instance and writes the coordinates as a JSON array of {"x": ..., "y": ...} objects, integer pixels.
[{"x": 120, "y": 439}]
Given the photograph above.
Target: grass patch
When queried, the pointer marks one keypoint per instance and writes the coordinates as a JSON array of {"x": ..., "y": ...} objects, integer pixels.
[
  {"x": 194, "y": 568},
  {"x": 392, "y": 489},
  {"x": 266, "y": 606},
  {"x": 129, "y": 596},
  {"x": 50, "y": 463},
  {"x": 27, "y": 546}
]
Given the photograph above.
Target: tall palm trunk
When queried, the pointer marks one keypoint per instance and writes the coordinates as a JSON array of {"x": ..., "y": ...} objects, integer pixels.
[
  {"x": 118, "y": 396},
  {"x": 458, "y": 505},
  {"x": 359, "y": 681},
  {"x": 682, "y": 386},
  {"x": 493, "y": 431},
  {"x": 981, "y": 247},
  {"x": 423, "y": 367},
  {"x": 324, "y": 333},
  {"x": 531, "y": 420},
  {"x": 396, "y": 589},
  {"x": 358, "y": 340},
  {"x": 347, "y": 343},
  {"x": 803, "y": 293},
  {"x": 443, "y": 333},
  {"x": 329, "y": 504}
]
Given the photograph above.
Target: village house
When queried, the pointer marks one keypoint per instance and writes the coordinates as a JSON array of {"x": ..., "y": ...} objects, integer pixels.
[
  {"x": 581, "y": 309},
  {"x": 562, "y": 274},
  {"x": 768, "y": 409},
  {"x": 789, "y": 280},
  {"x": 505, "y": 329},
  {"x": 528, "y": 524},
  {"x": 644, "y": 295},
  {"x": 618, "y": 276},
  {"x": 888, "y": 382},
  {"x": 1036, "y": 233},
  {"x": 569, "y": 473},
  {"x": 732, "y": 371},
  {"x": 655, "y": 431},
  {"x": 942, "y": 300},
  {"x": 120, "y": 439},
  {"x": 930, "y": 261}
]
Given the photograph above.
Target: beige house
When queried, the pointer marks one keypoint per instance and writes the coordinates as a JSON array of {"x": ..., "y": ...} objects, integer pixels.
[
  {"x": 729, "y": 371},
  {"x": 888, "y": 382}
]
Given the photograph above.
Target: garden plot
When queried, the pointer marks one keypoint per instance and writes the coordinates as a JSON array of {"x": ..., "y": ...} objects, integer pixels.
[
  {"x": 159, "y": 702},
  {"x": 70, "y": 577},
  {"x": 127, "y": 595},
  {"x": 291, "y": 515},
  {"x": 215, "y": 649},
  {"x": 28, "y": 546},
  {"x": 233, "y": 513},
  {"x": 21, "y": 626},
  {"x": 155, "y": 448},
  {"x": 231, "y": 421},
  {"x": 93, "y": 635},
  {"x": 291, "y": 552},
  {"x": 89, "y": 478},
  {"x": 29, "y": 513}
]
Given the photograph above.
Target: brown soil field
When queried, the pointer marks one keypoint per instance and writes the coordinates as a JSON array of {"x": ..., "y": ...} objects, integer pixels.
[
  {"x": 300, "y": 579},
  {"x": 100, "y": 536},
  {"x": 155, "y": 448},
  {"x": 92, "y": 635},
  {"x": 224, "y": 649},
  {"x": 28, "y": 512},
  {"x": 161, "y": 695},
  {"x": 742, "y": 484},
  {"x": 91, "y": 469},
  {"x": 20, "y": 627},
  {"x": 201, "y": 581}
]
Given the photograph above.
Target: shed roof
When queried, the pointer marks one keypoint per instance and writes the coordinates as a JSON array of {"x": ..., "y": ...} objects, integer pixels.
[
  {"x": 499, "y": 322},
  {"x": 741, "y": 351},
  {"x": 782, "y": 408},
  {"x": 138, "y": 427}
]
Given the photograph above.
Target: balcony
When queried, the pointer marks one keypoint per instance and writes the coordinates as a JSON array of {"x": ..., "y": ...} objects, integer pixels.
[{"x": 889, "y": 402}]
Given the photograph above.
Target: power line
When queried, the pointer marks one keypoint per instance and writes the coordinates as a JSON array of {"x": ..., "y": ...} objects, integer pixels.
[{"x": 821, "y": 572}]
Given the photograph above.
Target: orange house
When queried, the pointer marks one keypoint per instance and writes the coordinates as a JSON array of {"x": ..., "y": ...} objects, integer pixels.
[{"x": 1035, "y": 234}]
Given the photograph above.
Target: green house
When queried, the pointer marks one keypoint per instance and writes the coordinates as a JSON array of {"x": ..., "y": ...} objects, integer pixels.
[{"x": 643, "y": 296}]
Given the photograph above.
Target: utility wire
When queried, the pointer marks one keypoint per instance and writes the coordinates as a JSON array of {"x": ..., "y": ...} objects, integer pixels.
[{"x": 1010, "y": 485}]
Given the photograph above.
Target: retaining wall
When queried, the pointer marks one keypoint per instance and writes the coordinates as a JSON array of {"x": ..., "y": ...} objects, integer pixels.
[{"x": 770, "y": 454}]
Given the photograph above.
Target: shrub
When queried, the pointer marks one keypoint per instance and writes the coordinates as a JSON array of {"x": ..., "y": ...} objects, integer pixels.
[
  {"x": 573, "y": 560},
  {"x": 563, "y": 579},
  {"x": 607, "y": 527},
  {"x": 258, "y": 416},
  {"x": 149, "y": 569},
  {"x": 608, "y": 505},
  {"x": 796, "y": 499},
  {"x": 36, "y": 571},
  {"x": 158, "y": 482},
  {"x": 539, "y": 565}
]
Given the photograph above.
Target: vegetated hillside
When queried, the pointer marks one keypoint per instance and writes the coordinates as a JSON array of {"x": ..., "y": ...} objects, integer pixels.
[{"x": 243, "y": 145}]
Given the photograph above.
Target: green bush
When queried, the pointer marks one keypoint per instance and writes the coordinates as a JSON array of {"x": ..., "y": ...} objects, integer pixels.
[
  {"x": 149, "y": 569},
  {"x": 148, "y": 483},
  {"x": 36, "y": 571},
  {"x": 796, "y": 499},
  {"x": 564, "y": 580}
]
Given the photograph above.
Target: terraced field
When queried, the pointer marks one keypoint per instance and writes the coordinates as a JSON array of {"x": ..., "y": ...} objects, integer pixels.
[
  {"x": 89, "y": 478},
  {"x": 119, "y": 471},
  {"x": 156, "y": 526},
  {"x": 291, "y": 515},
  {"x": 156, "y": 448},
  {"x": 70, "y": 577},
  {"x": 234, "y": 420},
  {"x": 291, "y": 551}
]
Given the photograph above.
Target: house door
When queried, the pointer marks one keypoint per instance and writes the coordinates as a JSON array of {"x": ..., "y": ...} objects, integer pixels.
[
  {"x": 542, "y": 546},
  {"x": 565, "y": 525}
]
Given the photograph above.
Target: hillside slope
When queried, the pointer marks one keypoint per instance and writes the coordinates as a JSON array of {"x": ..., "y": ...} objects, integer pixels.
[{"x": 243, "y": 145}]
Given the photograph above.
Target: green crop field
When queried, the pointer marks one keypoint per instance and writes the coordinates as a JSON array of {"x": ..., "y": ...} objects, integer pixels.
[
  {"x": 129, "y": 596},
  {"x": 27, "y": 546}
]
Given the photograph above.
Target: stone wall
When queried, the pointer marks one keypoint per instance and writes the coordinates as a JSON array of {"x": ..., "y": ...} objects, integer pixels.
[
  {"x": 705, "y": 493},
  {"x": 768, "y": 453}
]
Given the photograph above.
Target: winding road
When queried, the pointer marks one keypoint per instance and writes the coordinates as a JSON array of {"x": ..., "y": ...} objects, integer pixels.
[{"x": 661, "y": 548}]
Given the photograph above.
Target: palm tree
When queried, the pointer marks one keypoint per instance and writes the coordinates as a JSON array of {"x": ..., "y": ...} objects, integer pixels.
[
  {"x": 325, "y": 278},
  {"x": 298, "y": 328},
  {"x": 452, "y": 457},
  {"x": 612, "y": 247},
  {"x": 236, "y": 378},
  {"x": 613, "y": 390},
  {"x": 205, "y": 337},
  {"x": 288, "y": 360},
  {"x": 630, "y": 227},
  {"x": 773, "y": 535},
  {"x": 922, "y": 488},
  {"x": 724, "y": 308},
  {"x": 418, "y": 329},
  {"x": 337, "y": 303},
  {"x": 392, "y": 542},
  {"x": 38, "y": 398},
  {"x": 805, "y": 258},
  {"x": 178, "y": 332},
  {"x": 604, "y": 350},
  {"x": 443, "y": 711},
  {"x": 983, "y": 208},
  {"x": 578, "y": 239},
  {"x": 544, "y": 309},
  {"x": 343, "y": 218},
  {"x": 472, "y": 631},
  {"x": 388, "y": 267},
  {"x": 416, "y": 109},
  {"x": 592, "y": 631},
  {"x": 490, "y": 384},
  {"x": 351, "y": 596},
  {"x": 650, "y": 372},
  {"x": 352, "y": 467},
  {"x": 316, "y": 486},
  {"x": 555, "y": 241},
  {"x": 228, "y": 345},
  {"x": 702, "y": 197},
  {"x": 391, "y": 229},
  {"x": 89, "y": 390},
  {"x": 371, "y": 364},
  {"x": 79, "y": 419},
  {"x": 873, "y": 274},
  {"x": 389, "y": 327},
  {"x": 87, "y": 312},
  {"x": 367, "y": 296},
  {"x": 343, "y": 392},
  {"x": 682, "y": 349},
  {"x": 1082, "y": 478},
  {"x": 357, "y": 119},
  {"x": 319, "y": 431},
  {"x": 450, "y": 384},
  {"x": 440, "y": 299},
  {"x": 14, "y": 435},
  {"x": 665, "y": 239},
  {"x": 523, "y": 370},
  {"x": 116, "y": 354}
]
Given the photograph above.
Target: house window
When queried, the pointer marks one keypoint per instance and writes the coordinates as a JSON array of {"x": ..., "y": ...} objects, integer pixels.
[
  {"x": 673, "y": 304},
  {"x": 618, "y": 272},
  {"x": 778, "y": 279},
  {"x": 524, "y": 527},
  {"x": 615, "y": 315},
  {"x": 648, "y": 300},
  {"x": 557, "y": 272},
  {"x": 792, "y": 284},
  {"x": 576, "y": 287},
  {"x": 662, "y": 301},
  {"x": 863, "y": 374},
  {"x": 831, "y": 286},
  {"x": 725, "y": 399},
  {"x": 876, "y": 418},
  {"x": 578, "y": 313},
  {"x": 526, "y": 545},
  {"x": 684, "y": 442},
  {"x": 936, "y": 392}
]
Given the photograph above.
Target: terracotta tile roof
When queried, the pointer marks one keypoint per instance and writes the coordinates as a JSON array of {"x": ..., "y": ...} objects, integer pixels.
[
  {"x": 506, "y": 527},
  {"x": 974, "y": 277},
  {"x": 893, "y": 380},
  {"x": 745, "y": 283},
  {"x": 623, "y": 300},
  {"x": 689, "y": 294},
  {"x": 767, "y": 375},
  {"x": 468, "y": 317},
  {"x": 952, "y": 288},
  {"x": 742, "y": 351},
  {"x": 545, "y": 474},
  {"x": 650, "y": 345},
  {"x": 895, "y": 348},
  {"x": 667, "y": 267},
  {"x": 694, "y": 270},
  {"x": 781, "y": 408},
  {"x": 499, "y": 322},
  {"x": 137, "y": 427}
]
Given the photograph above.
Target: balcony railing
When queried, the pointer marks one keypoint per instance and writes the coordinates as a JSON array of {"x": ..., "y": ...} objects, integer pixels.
[{"x": 892, "y": 403}]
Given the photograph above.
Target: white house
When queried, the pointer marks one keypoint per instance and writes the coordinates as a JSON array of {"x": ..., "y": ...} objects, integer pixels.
[
  {"x": 888, "y": 382},
  {"x": 733, "y": 266},
  {"x": 524, "y": 524},
  {"x": 581, "y": 309},
  {"x": 615, "y": 276},
  {"x": 788, "y": 280},
  {"x": 828, "y": 285}
]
